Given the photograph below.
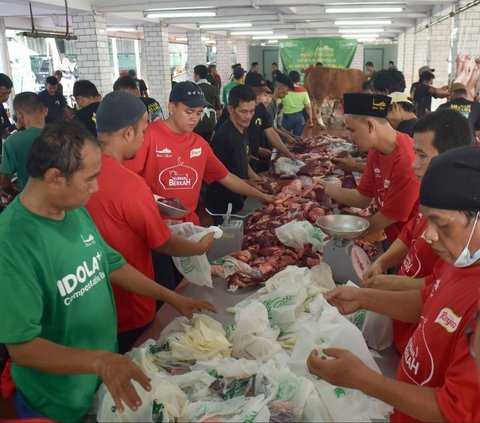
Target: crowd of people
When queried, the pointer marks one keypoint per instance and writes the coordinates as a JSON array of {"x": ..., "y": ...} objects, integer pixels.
[{"x": 86, "y": 257}]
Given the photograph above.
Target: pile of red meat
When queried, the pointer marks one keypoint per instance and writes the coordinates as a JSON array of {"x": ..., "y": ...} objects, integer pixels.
[{"x": 300, "y": 199}]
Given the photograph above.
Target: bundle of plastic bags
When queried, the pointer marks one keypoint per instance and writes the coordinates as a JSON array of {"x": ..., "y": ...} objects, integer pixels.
[{"x": 296, "y": 234}]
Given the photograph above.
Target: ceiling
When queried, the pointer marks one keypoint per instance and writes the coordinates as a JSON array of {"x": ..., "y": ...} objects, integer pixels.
[{"x": 294, "y": 18}]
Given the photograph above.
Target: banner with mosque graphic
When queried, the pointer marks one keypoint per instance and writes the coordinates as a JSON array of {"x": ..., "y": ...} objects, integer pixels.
[{"x": 300, "y": 53}]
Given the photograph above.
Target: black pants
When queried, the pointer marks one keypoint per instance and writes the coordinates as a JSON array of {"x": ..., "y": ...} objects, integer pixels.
[
  {"x": 127, "y": 339},
  {"x": 166, "y": 274}
]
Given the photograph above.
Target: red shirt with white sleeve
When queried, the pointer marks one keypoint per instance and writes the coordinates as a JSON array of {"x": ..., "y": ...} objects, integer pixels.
[
  {"x": 437, "y": 354},
  {"x": 391, "y": 181},
  {"x": 418, "y": 263},
  {"x": 174, "y": 165},
  {"x": 128, "y": 219}
]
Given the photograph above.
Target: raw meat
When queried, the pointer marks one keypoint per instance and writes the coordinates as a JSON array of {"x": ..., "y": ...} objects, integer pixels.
[{"x": 173, "y": 202}]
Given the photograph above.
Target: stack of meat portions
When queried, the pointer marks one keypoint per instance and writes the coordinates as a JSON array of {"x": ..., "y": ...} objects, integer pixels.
[{"x": 299, "y": 199}]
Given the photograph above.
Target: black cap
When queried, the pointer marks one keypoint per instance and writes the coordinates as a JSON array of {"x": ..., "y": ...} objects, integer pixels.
[
  {"x": 188, "y": 93},
  {"x": 238, "y": 72},
  {"x": 285, "y": 80},
  {"x": 258, "y": 83},
  {"x": 375, "y": 105},
  {"x": 452, "y": 180},
  {"x": 118, "y": 110}
]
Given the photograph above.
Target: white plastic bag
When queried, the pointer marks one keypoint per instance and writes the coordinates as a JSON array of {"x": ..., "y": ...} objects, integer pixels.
[
  {"x": 287, "y": 168},
  {"x": 253, "y": 336},
  {"x": 296, "y": 234},
  {"x": 195, "y": 269},
  {"x": 328, "y": 328},
  {"x": 377, "y": 329}
]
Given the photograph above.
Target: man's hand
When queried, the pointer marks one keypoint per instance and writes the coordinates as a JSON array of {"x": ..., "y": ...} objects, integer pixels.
[
  {"x": 117, "y": 372},
  {"x": 206, "y": 242},
  {"x": 345, "y": 370},
  {"x": 186, "y": 306},
  {"x": 347, "y": 164},
  {"x": 345, "y": 298},
  {"x": 264, "y": 152},
  {"x": 267, "y": 199},
  {"x": 373, "y": 270},
  {"x": 380, "y": 281},
  {"x": 310, "y": 123}
]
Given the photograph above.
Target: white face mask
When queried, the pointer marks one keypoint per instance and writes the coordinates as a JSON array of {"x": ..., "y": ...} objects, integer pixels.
[{"x": 465, "y": 259}]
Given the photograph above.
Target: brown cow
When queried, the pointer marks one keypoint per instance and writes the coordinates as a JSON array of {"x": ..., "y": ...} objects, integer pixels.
[{"x": 330, "y": 84}]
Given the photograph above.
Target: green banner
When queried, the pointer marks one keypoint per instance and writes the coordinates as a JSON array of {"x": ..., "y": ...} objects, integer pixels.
[{"x": 300, "y": 53}]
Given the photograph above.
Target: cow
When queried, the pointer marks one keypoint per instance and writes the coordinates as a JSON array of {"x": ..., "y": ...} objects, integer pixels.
[{"x": 330, "y": 84}]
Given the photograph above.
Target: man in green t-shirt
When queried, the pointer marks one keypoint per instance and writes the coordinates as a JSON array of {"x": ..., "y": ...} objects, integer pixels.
[
  {"x": 56, "y": 303},
  {"x": 31, "y": 114},
  {"x": 238, "y": 74}
]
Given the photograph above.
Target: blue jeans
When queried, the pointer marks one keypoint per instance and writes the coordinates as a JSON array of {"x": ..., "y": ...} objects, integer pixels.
[
  {"x": 294, "y": 122},
  {"x": 23, "y": 410}
]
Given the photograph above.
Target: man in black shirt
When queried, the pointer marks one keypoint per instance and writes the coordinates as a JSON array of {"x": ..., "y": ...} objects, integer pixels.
[
  {"x": 230, "y": 145},
  {"x": 53, "y": 100},
  {"x": 207, "y": 122},
  {"x": 59, "y": 75},
  {"x": 140, "y": 83},
  {"x": 261, "y": 132},
  {"x": 423, "y": 91},
  {"x": 5, "y": 91},
  {"x": 469, "y": 109},
  {"x": 252, "y": 74},
  {"x": 88, "y": 98},
  {"x": 128, "y": 84},
  {"x": 400, "y": 114}
]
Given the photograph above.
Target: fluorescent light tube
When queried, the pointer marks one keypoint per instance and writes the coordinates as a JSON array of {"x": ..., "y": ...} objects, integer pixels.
[
  {"x": 251, "y": 33},
  {"x": 361, "y": 30},
  {"x": 360, "y": 22},
  {"x": 166, "y": 15},
  {"x": 269, "y": 37},
  {"x": 359, "y": 36},
  {"x": 363, "y": 9},
  {"x": 226, "y": 25},
  {"x": 170, "y": 9}
]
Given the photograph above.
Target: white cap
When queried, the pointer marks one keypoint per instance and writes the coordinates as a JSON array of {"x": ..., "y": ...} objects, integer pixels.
[{"x": 398, "y": 97}]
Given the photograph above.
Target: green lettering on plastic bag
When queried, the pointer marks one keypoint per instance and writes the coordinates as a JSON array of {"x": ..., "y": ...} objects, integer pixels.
[
  {"x": 339, "y": 392},
  {"x": 186, "y": 263},
  {"x": 359, "y": 318},
  {"x": 250, "y": 417},
  {"x": 276, "y": 303},
  {"x": 157, "y": 412}
]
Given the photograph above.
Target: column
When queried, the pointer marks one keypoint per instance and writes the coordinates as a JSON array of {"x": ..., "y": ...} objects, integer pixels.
[
  {"x": 440, "y": 49},
  {"x": 157, "y": 58},
  {"x": 224, "y": 59},
  {"x": 92, "y": 50},
  {"x": 422, "y": 40},
  {"x": 411, "y": 74},
  {"x": 242, "y": 53},
  {"x": 358, "y": 58},
  {"x": 400, "y": 52},
  {"x": 4, "y": 57},
  {"x": 197, "y": 52}
]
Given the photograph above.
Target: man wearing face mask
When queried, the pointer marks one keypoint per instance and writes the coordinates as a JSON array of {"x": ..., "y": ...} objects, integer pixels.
[{"x": 436, "y": 378}]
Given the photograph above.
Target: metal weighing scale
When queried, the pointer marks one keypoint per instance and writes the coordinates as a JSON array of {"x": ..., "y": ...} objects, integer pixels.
[
  {"x": 232, "y": 238},
  {"x": 347, "y": 260}
]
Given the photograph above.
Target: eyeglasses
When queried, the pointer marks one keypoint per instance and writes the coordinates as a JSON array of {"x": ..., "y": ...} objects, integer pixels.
[{"x": 470, "y": 333}]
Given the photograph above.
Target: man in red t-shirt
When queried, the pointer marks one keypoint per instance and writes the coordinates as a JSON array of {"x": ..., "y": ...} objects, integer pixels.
[
  {"x": 435, "y": 133},
  {"x": 174, "y": 161},
  {"x": 436, "y": 378},
  {"x": 126, "y": 213},
  {"x": 388, "y": 177}
]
